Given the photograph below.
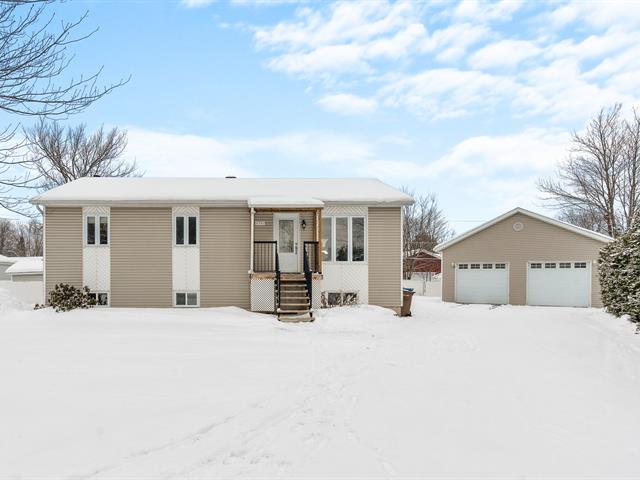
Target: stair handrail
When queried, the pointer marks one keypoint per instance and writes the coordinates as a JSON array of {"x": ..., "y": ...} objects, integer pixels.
[
  {"x": 278, "y": 285},
  {"x": 308, "y": 274}
]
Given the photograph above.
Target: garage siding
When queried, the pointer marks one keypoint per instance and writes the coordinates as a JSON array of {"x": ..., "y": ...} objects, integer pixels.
[
  {"x": 538, "y": 241},
  {"x": 385, "y": 253}
]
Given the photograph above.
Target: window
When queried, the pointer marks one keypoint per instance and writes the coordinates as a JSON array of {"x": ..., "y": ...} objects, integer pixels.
[
  {"x": 487, "y": 266},
  {"x": 186, "y": 230},
  {"x": 186, "y": 299},
  {"x": 91, "y": 230},
  {"x": 101, "y": 298},
  {"x": 327, "y": 251},
  {"x": 501, "y": 266},
  {"x": 357, "y": 239},
  {"x": 336, "y": 299},
  {"x": 463, "y": 266},
  {"x": 101, "y": 236},
  {"x": 549, "y": 265},
  {"x": 536, "y": 265},
  {"x": 475, "y": 266},
  {"x": 580, "y": 265},
  {"x": 342, "y": 239},
  {"x": 565, "y": 264}
]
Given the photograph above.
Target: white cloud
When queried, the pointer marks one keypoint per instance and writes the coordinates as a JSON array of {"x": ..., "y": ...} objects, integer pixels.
[
  {"x": 504, "y": 53},
  {"x": 196, "y": 3},
  {"x": 486, "y": 11},
  {"x": 621, "y": 14},
  {"x": 533, "y": 150},
  {"x": 166, "y": 154},
  {"x": 348, "y": 104},
  {"x": 445, "y": 92}
]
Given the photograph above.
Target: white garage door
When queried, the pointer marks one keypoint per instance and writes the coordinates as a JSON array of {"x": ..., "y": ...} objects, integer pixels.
[
  {"x": 559, "y": 284},
  {"x": 482, "y": 283}
]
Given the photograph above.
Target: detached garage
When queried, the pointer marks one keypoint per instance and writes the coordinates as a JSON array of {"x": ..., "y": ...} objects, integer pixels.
[{"x": 523, "y": 258}]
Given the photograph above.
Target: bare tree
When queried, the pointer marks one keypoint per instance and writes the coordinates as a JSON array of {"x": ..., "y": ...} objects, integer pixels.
[
  {"x": 58, "y": 155},
  {"x": 424, "y": 226},
  {"x": 34, "y": 55},
  {"x": 598, "y": 184},
  {"x": 20, "y": 239}
]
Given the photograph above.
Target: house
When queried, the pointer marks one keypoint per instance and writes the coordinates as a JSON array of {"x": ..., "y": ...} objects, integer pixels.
[
  {"x": 5, "y": 262},
  {"x": 26, "y": 269},
  {"x": 523, "y": 258},
  {"x": 424, "y": 262},
  {"x": 261, "y": 244}
]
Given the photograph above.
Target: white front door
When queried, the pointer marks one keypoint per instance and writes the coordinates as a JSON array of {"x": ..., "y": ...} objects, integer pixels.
[
  {"x": 559, "y": 283},
  {"x": 285, "y": 231},
  {"x": 482, "y": 282}
]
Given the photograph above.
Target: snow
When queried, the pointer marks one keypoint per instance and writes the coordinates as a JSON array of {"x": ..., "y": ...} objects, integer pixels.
[
  {"x": 26, "y": 265},
  {"x": 454, "y": 391},
  {"x": 4, "y": 259},
  {"x": 267, "y": 202},
  {"x": 233, "y": 191},
  {"x": 19, "y": 295}
]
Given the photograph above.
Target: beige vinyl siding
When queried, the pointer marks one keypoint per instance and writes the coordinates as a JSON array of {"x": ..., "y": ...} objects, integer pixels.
[
  {"x": 385, "y": 251},
  {"x": 141, "y": 257},
  {"x": 225, "y": 242},
  {"x": 538, "y": 241},
  {"x": 63, "y": 246},
  {"x": 263, "y": 233}
]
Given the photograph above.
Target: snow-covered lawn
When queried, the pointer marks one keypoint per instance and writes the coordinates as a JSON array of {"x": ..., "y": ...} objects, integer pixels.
[{"x": 214, "y": 393}]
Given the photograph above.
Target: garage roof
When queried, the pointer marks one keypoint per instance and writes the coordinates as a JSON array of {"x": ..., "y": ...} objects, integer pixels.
[{"x": 567, "y": 226}]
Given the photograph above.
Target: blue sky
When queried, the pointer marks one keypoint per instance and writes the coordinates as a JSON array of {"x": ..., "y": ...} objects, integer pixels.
[{"x": 473, "y": 101}]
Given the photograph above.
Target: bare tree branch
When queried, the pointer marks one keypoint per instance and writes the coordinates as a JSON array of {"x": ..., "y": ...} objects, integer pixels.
[{"x": 57, "y": 155}]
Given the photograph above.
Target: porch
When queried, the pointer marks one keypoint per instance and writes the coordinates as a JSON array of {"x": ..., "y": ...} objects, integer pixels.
[{"x": 286, "y": 259}]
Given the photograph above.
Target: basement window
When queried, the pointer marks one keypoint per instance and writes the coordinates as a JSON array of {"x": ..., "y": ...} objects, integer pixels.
[
  {"x": 101, "y": 298},
  {"x": 337, "y": 299},
  {"x": 186, "y": 299}
]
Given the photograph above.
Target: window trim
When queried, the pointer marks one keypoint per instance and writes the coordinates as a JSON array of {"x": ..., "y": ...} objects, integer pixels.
[
  {"x": 85, "y": 230},
  {"x": 349, "y": 239},
  {"x": 185, "y": 229},
  {"x": 186, "y": 293}
]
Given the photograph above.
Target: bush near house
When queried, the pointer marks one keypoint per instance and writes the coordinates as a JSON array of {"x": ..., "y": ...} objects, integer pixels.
[
  {"x": 65, "y": 297},
  {"x": 620, "y": 275}
]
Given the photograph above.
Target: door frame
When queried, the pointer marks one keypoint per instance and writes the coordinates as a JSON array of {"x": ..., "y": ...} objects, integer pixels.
[{"x": 295, "y": 216}]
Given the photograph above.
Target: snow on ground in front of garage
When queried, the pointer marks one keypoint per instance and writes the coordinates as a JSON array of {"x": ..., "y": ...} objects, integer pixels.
[{"x": 215, "y": 393}]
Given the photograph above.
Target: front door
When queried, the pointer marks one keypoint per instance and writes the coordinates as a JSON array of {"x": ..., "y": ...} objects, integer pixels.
[{"x": 285, "y": 231}]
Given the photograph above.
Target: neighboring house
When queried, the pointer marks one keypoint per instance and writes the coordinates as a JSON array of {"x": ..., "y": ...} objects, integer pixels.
[
  {"x": 523, "y": 258},
  {"x": 5, "y": 262},
  {"x": 259, "y": 244},
  {"x": 425, "y": 261},
  {"x": 26, "y": 269}
]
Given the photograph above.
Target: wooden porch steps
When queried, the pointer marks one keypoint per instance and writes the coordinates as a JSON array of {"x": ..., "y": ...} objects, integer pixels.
[{"x": 295, "y": 304}]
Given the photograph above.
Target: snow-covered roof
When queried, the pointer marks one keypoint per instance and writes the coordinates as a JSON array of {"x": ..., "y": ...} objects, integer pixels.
[
  {"x": 26, "y": 265},
  {"x": 225, "y": 191},
  {"x": 6, "y": 260},
  {"x": 284, "y": 201},
  {"x": 558, "y": 223}
]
